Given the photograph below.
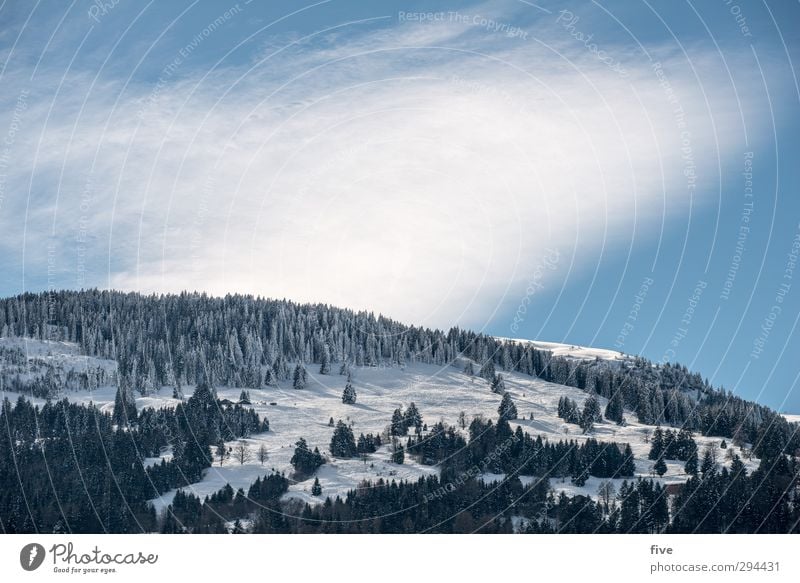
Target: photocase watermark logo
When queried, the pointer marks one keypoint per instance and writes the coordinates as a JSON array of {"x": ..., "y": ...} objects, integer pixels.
[
  {"x": 65, "y": 558},
  {"x": 32, "y": 556}
]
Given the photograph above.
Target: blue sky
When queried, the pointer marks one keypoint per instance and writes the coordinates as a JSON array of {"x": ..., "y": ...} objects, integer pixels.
[{"x": 568, "y": 171}]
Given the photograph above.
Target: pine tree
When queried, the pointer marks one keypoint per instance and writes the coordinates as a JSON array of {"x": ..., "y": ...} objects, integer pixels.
[
  {"x": 629, "y": 508},
  {"x": 507, "y": 410},
  {"x": 325, "y": 366},
  {"x": 398, "y": 453},
  {"x": 708, "y": 464},
  {"x": 413, "y": 418},
  {"x": 305, "y": 461},
  {"x": 660, "y": 467},
  {"x": 366, "y": 444},
  {"x": 684, "y": 445},
  {"x": 659, "y": 511},
  {"x": 628, "y": 467},
  {"x": 349, "y": 394},
  {"x": 498, "y": 385},
  {"x": 316, "y": 488},
  {"x": 573, "y": 415},
  {"x": 580, "y": 472},
  {"x": 691, "y": 464},
  {"x": 657, "y": 444},
  {"x": 398, "y": 426},
  {"x": 615, "y": 408},
  {"x": 124, "y": 406},
  {"x": 488, "y": 371},
  {"x": 591, "y": 414},
  {"x": 343, "y": 443},
  {"x": 644, "y": 409},
  {"x": 562, "y": 407},
  {"x": 568, "y": 410},
  {"x": 299, "y": 377}
]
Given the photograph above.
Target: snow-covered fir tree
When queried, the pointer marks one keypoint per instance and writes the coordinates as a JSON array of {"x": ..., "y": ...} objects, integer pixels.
[{"x": 349, "y": 394}]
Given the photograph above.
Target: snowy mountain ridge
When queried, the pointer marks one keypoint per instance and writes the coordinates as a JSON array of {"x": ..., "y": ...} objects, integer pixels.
[{"x": 572, "y": 351}]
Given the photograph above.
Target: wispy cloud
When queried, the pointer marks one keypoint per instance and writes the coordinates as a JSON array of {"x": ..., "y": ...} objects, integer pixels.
[{"x": 416, "y": 169}]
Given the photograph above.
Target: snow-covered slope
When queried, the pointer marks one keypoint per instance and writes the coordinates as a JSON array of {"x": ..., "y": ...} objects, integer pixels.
[
  {"x": 440, "y": 393},
  {"x": 65, "y": 355},
  {"x": 573, "y": 351}
]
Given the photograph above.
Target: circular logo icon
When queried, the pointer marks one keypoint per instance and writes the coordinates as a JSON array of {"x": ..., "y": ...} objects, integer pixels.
[{"x": 31, "y": 556}]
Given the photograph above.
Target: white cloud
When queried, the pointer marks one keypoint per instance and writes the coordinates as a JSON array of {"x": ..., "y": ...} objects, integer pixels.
[{"x": 424, "y": 183}]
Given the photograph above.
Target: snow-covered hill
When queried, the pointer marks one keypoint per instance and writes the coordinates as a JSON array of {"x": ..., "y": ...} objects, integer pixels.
[
  {"x": 440, "y": 393},
  {"x": 64, "y": 355},
  {"x": 574, "y": 352}
]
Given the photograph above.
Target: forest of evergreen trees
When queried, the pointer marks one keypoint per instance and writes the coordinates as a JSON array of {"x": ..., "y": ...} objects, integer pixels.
[
  {"x": 178, "y": 340},
  {"x": 102, "y": 485},
  {"x": 66, "y": 467},
  {"x": 714, "y": 501}
]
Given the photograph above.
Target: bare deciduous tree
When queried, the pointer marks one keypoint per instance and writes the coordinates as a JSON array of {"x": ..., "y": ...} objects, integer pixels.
[
  {"x": 263, "y": 454},
  {"x": 606, "y": 493},
  {"x": 241, "y": 452}
]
